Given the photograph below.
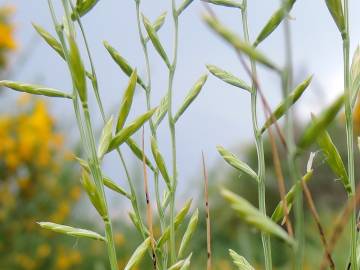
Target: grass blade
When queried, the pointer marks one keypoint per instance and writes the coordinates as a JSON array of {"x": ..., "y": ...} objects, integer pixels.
[
  {"x": 158, "y": 23},
  {"x": 160, "y": 162},
  {"x": 190, "y": 230},
  {"x": 183, "y": 6},
  {"x": 238, "y": 44},
  {"x": 274, "y": 21},
  {"x": 124, "y": 134},
  {"x": 155, "y": 40},
  {"x": 105, "y": 138},
  {"x": 240, "y": 261},
  {"x": 122, "y": 63},
  {"x": 161, "y": 111},
  {"x": 126, "y": 102},
  {"x": 138, "y": 255},
  {"x": 50, "y": 40},
  {"x": 76, "y": 232},
  {"x": 286, "y": 104},
  {"x": 193, "y": 93},
  {"x": 320, "y": 123},
  {"x": 228, "y": 78},
  {"x": 336, "y": 11},
  {"x": 34, "y": 89},
  {"x": 138, "y": 153},
  {"x": 233, "y": 161},
  {"x": 225, "y": 3},
  {"x": 254, "y": 217}
]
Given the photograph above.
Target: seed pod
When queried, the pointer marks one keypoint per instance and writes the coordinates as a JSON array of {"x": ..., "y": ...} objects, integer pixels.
[
  {"x": 50, "y": 40},
  {"x": 183, "y": 6},
  {"x": 279, "y": 212},
  {"x": 228, "y": 77},
  {"x": 161, "y": 111},
  {"x": 139, "y": 153},
  {"x": 315, "y": 127},
  {"x": 178, "y": 220},
  {"x": 225, "y": 3},
  {"x": 105, "y": 138},
  {"x": 155, "y": 40},
  {"x": 254, "y": 217},
  {"x": 138, "y": 254},
  {"x": 238, "y": 44},
  {"x": 93, "y": 194},
  {"x": 274, "y": 21},
  {"x": 336, "y": 11},
  {"x": 124, "y": 134},
  {"x": 159, "y": 160},
  {"x": 34, "y": 89},
  {"x": 115, "y": 187},
  {"x": 240, "y": 261},
  {"x": 286, "y": 104},
  {"x": 333, "y": 158},
  {"x": 76, "y": 232},
  {"x": 77, "y": 70},
  {"x": 193, "y": 93},
  {"x": 122, "y": 63},
  {"x": 158, "y": 23},
  {"x": 126, "y": 102},
  {"x": 233, "y": 161},
  {"x": 84, "y": 6},
  {"x": 188, "y": 233}
]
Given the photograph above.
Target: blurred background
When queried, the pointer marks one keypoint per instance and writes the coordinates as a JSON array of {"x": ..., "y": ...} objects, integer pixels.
[{"x": 39, "y": 178}]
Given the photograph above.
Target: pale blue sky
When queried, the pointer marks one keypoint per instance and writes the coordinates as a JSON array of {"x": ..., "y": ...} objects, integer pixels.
[{"x": 221, "y": 114}]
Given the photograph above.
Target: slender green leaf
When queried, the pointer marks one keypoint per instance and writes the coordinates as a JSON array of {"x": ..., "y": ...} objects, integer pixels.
[
  {"x": 139, "y": 153},
  {"x": 238, "y": 44},
  {"x": 50, "y": 40},
  {"x": 183, "y": 6},
  {"x": 105, "y": 138},
  {"x": 155, "y": 40},
  {"x": 254, "y": 217},
  {"x": 191, "y": 228},
  {"x": 161, "y": 111},
  {"x": 226, "y": 3},
  {"x": 279, "y": 211},
  {"x": 178, "y": 221},
  {"x": 126, "y": 102},
  {"x": 286, "y": 104},
  {"x": 158, "y": 23},
  {"x": 124, "y": 134},
  {"x": 333, "y": 158},
  {"x": 160, "y": 162},
  {"x": 76, "y": 232},
  {"x": 274, "y": 21},
  {"x": 233, "y": 161},
  {"x": 77, "y": 70},
  {"x": 34, "y": 89},
  {"x": 228, "y": 78},
  {"x": 193, "y": 93},
  {"x": 336, "y": 11},
  {"x": 320, "y": 123},
  {"x": 122, "y": 63},
  {"x": 115, "y": 187},
  {"x": 138, "y": 254},
  {"x": 240, "y": 261}
]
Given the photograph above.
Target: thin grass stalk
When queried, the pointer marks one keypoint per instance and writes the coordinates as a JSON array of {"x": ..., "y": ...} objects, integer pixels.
[
  {"x": 349, "y": 130},
  {"x": 287, "y": 81},
  {"x": 95, "y": 84},
  {"x": 149, "y": 214},
  {"x": 151, "y": 123},
  {"x": 172, "y": 69},
  {"x": 259, "y": 146},
  {"x": 207, "y": 209},
  {"x": 88, "y": 143},
  {"x": 316, "y": 217}
]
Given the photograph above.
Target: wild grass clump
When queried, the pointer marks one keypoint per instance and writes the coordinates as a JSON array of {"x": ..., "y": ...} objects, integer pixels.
[{"x": 168, "y": 249}]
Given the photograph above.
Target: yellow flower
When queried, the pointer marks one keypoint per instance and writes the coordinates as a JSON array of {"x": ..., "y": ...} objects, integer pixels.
[
  {"x": 43, "y": 250},
  {"x": 6, "y": 37}
]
